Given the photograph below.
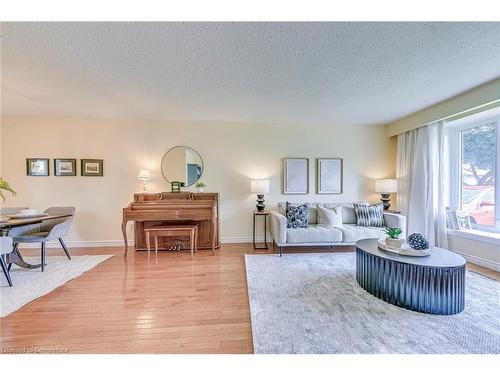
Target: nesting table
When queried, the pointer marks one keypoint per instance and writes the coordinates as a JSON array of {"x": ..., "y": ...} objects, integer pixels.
[
  {"x": 256, "y": 214},
  {"x": 433, "y": 284}
]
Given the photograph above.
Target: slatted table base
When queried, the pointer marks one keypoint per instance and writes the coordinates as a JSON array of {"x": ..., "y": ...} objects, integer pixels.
[{"x": 433, "y": 290}]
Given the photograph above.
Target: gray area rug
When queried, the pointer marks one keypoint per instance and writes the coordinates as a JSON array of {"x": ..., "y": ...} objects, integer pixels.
[
  {"x": 32, "y": 284},
  {"x": 311, "y": 303}
]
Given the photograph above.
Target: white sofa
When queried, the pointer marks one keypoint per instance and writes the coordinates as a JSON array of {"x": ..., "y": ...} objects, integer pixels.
[{"x": 320, "y": 235}]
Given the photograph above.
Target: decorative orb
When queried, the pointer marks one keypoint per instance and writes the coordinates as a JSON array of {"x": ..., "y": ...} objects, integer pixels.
[{"x": 417, "y": 241}]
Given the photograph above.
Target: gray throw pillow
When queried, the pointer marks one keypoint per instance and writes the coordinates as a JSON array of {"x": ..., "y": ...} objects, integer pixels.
[
  {"x": 369, "y": 216},
  {"x": 297, "y": 216}
]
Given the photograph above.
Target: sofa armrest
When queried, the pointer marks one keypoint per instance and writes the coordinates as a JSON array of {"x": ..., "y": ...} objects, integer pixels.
[
  {"x": 395, "y": 221},
  {"x": 278, "y": 227}
]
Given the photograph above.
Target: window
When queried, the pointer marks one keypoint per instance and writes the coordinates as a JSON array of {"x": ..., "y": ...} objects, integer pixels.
[{"x": 474, "y": 165}]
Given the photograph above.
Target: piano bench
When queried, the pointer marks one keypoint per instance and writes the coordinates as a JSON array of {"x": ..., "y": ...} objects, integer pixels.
[{"x": 190, "y": 230}]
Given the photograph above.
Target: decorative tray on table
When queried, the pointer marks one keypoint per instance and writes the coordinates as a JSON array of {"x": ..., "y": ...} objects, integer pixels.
[{"x": 405, "y": 249}]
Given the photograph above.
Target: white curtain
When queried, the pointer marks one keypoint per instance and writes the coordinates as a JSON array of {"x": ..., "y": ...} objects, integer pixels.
[{"x": 421, "y": 173}]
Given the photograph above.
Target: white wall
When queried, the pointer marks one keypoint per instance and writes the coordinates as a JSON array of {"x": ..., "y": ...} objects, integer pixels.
[
  {"x": 486, "y": 254},
  {"x": 1, "y": 122},
  {"x": 232, "y": 152},
  {"x": 478, "y": 96}
]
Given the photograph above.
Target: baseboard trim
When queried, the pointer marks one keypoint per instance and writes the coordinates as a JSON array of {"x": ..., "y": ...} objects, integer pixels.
[
  {"x": 244, "y": 239},
  {"x": 480, "y": 261},
  {"x": 118, "y": 243}
]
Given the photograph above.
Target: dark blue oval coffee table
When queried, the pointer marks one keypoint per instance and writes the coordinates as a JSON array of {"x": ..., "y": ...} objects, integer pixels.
[{"x": 433, "y": 284}]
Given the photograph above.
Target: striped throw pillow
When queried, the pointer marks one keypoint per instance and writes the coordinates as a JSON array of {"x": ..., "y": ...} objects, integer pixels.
[{"x": 369, "y": 216}]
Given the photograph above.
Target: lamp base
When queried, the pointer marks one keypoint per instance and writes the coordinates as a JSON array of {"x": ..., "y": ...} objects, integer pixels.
[
  {"x": 260, "y": 202},
  {"x": 386, "y": 198}
]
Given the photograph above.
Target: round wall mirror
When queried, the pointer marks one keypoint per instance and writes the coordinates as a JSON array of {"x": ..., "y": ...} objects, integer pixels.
[{"x": 182, "y": 164}]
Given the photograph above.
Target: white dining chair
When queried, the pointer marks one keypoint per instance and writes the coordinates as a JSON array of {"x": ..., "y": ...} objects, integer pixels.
[
  {"x": 63, "y": 230},
  {"x": 5, "y": 248},
  {"x": 46, "y": 231}
]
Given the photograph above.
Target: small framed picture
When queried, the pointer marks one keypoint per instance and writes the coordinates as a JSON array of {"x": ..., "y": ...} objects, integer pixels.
[
  {"x": 451, "y": 219},
  {"x": 329, "y": 176},
  {"x": 295, "y": 176},
  {"x": 463, "y": 220},
  {"x": 175, "y": 186},
  {"x": 64, "y": 167},
  {"x": 37, "y": 167},
  {"x": 92, "y": 167}
]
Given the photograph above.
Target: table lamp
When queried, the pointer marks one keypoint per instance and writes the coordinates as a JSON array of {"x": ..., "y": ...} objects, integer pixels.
[
  {"x": 385, "y": 187},
  {"x": 144, "y": 176},
  {"x": 259, "y": 187}
]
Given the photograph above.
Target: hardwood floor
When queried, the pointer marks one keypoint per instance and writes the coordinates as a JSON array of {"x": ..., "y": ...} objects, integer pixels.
[
  {"x": 169, "y": 305},
  {"x": 484, "y": 271},
  {"x": 172, "y": 305}
]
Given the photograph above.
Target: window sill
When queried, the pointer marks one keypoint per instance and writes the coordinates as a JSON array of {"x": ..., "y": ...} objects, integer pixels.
[{"x": 478, "y": 235}]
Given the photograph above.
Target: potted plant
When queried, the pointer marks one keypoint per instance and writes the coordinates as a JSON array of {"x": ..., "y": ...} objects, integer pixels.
[
  {"x": 4, "y": 186},
  {"x": 200, "y": 186},
  {"x": 393, "y": 239}
]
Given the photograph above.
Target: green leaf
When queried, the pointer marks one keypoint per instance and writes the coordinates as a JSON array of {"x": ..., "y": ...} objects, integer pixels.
[
  {"x": 4, "y": 185},
  {"x": 393, "y": 232}
]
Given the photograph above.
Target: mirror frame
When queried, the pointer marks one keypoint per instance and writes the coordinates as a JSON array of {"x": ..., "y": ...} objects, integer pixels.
[{"x": 187, "y": 147}]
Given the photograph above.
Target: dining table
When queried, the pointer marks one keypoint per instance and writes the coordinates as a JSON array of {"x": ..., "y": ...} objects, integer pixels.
[{"x": 9, "y": 222}]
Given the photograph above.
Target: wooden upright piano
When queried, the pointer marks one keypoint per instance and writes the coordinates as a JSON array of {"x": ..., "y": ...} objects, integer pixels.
[{"x": 151, "y": 209}]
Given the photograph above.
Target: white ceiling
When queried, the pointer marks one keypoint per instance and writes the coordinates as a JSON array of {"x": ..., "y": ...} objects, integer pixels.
[{"x": 335, "y": 73}]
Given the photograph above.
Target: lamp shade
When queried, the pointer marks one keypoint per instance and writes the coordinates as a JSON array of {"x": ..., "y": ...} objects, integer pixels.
[
  {"x": 386, "y": 185},
  {"x": 259, "y": 186},
  {"x": 144, "y": 175}
]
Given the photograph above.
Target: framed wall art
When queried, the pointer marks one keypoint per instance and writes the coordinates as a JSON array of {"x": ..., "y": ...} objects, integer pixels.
[
  {"x": 295, "y": 176},
  {"x": 37, "y": 167},
  {"x": 64, "y": 167},
  {"x": 329, "y": 176},
  {"x": 92, "y": 167}
]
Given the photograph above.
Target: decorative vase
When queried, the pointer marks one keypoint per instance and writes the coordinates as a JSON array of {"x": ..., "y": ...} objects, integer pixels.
[
  {"x": 201, "y": 189},
  {"x": 393, "y": 242},
  {"x": 418, "y": 241}
]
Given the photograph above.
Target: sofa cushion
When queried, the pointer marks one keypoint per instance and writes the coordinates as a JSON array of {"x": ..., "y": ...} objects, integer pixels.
[
  {"x": 330, "y": 217},
  {"x": 369, "y": 216},
  {"x": 297, "y": 216},
  {"x": 313, "y": 233},
  {"x": 348, "y": 214},
  {"x": 352, "y": 233}
]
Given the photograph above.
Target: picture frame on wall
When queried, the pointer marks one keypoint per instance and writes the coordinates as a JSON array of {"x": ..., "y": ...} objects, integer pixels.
[
  {"x": 329, "y": 175},
  {"x": 92, "y": 167},
  {"x": 175, "y": 186},
  {"x": 296, "y": 176},
  {"x": 37, "y": 167},
  {"x": 64, "y": 167}
]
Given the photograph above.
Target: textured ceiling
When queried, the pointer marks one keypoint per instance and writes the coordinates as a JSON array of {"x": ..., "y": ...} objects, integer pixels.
[{"x": 335, "y": 73}]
